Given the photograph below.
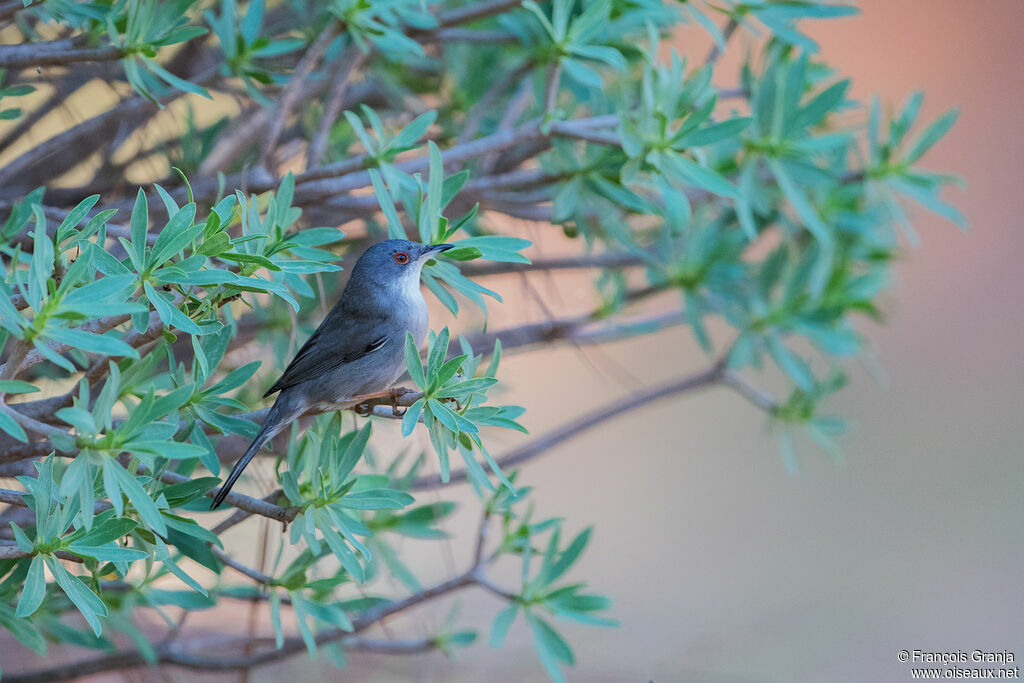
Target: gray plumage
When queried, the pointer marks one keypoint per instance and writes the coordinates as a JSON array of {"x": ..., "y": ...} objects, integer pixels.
[{"x": 359, "y": 348}]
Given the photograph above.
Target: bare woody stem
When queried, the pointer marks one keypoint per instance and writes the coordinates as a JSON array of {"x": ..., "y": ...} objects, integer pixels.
[{"x": 54, "y": 53}]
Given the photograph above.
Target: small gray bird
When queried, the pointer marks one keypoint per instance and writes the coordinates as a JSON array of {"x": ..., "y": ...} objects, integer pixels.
[{"x": 359, "y": 347}]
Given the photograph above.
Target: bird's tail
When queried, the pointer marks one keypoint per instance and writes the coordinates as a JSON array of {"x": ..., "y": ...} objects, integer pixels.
[{"x": 279, "y": 417}]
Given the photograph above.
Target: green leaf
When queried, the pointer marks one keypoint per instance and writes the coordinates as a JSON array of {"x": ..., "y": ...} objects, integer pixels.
[
  {"x": 789, "y": 363},
  {"x": 412, "y": 416},
  {"x": 176, "y": 235},
  {"x": 104, "y": 344},
  {"x": 189, "y": 600},
  {"x": 112, "y": 288},
  {"x": 449, "y": 418},
  {"x": 803, "y": 207},
  {"x": 377, "y": 499},
  {"x": 712, "y": 133},
  {"x": 108, "y": 553},
  {"x": 137, "y": 495},
  {"x": 435, "y": 190},
  {"x": 184, "y": 576},
  {"x": 34, "y": 589},
  {"x": 569, "y": 556},
  {"x": 8, "y": 424},
  {"x": 931, "y": 135},
  {"x": 16, "y": 386},
  {"x": 139, "y": 227},
  {"x": 78, "y": 592},
  {"x": 175, "y": 81},
  {"x": 551, "y": 647},
  {"x": 169, "y": 314},
  {"x": 438, "y": 351},
  {"x": 387, "y": 206},
  {"x": 75, "y": 217},
  {"x": 702, "y": 177},
  {"x": 24, "y": 631},
  {"x": 502, "y": 622},
  {"x": 412, "y": 361}
]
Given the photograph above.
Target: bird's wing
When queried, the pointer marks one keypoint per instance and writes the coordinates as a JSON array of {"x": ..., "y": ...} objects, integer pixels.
[{"x": 340, "y": 339}]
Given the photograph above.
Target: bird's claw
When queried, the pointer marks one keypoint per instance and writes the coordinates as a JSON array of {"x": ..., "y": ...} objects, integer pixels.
[{"x": 397, "y": 393}]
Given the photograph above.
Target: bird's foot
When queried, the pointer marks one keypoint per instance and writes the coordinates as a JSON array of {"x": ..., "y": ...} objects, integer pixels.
[
  {"x": 397, "y": 393},
  {"x": 367, "y": 401}
]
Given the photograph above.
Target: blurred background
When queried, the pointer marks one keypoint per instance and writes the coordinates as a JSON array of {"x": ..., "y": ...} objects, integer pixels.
[{"x": 723, "y": 567}]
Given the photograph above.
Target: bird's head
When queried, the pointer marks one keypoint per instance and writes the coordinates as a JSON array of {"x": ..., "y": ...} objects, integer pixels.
[{"x": 395, "y": 263}]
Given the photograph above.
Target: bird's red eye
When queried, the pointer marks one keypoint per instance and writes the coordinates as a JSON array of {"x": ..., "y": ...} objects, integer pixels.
[{"x": 401, "y": 258}]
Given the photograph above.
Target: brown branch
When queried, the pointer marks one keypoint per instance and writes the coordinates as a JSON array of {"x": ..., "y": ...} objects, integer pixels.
[
  {"x": 290, "y": 95},
  {"x": 487, "y": 102},
  {"x": 18, "y": 498},
  {"x": 317, "y": 190},
  {"x": 10, "y": 551},
  {"x": 11, "y": 7},
  {"x": 257, "y": 576},
  {"x": 241, "y": 501},
  {"x": 716, "y": 49},
  {"x": 351, "y": 62},
  {"x": 66, "y": 150},
  {"x": 240, "y": 515},
  {"x": 174, "y": 654},
  {"x": 473, "y": 12},
  {"x": 467, "y": 35},
  {"x": 54, "y": 53},
  {"x": 598, "y": 416},
  {"x": 748, "y": 391}
]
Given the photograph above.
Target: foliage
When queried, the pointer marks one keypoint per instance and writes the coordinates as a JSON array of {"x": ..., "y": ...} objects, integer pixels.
[{"x": 773, "y": 208}]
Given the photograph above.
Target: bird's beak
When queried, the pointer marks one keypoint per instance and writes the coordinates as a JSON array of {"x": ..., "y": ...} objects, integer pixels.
[{"x": 439, "y": 247}]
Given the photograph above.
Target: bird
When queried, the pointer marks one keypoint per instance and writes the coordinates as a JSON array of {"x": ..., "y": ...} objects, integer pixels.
[{"x": 359, "y": 347}]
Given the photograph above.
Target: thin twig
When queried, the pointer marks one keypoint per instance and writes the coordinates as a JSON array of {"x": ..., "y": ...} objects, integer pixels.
[
  {"x": 748, "y": 391},
  {"x": 716, "y": 49},
  {"x": 351, "y": 61},
  {"x": 290, "y": 95},
  {"x": 255, "y": 575},
  {"x": 598, "y": 416}
]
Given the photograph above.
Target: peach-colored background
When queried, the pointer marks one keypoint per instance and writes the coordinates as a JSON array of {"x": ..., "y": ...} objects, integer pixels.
[{"x": 724, "y": 568}]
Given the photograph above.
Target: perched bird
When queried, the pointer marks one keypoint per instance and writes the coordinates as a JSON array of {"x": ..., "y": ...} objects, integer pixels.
[{"x": 359, "y": 347}]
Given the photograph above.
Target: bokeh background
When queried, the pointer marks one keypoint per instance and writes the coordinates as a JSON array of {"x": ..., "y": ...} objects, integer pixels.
[{"x": 723, "y": 567}]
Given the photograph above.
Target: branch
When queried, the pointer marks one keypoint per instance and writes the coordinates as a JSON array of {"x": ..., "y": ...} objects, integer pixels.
[
  {"x": 352, "y": 60},
  {"x": 10, "y": 551},
  {"x": 18, "y": 498},
  {"x": 290, "y": 95},
  {"x": 486, "y": 104},
  {"x": 716, "y": 49},
  {"x": 241, "y": 501},
  {"x": 172, "y": 653},
  {"x": 311, "y": 192},
  {"x": 478, "y": 10},
  {"x": 54, "y": 53},
  {"x": 748, "y": 391},
  {"x": 11, "y": 7},
  {"x": 175, "y": 654},
  {"x": 255, "y": 575},
  {"x": 587, "y": 421}
]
